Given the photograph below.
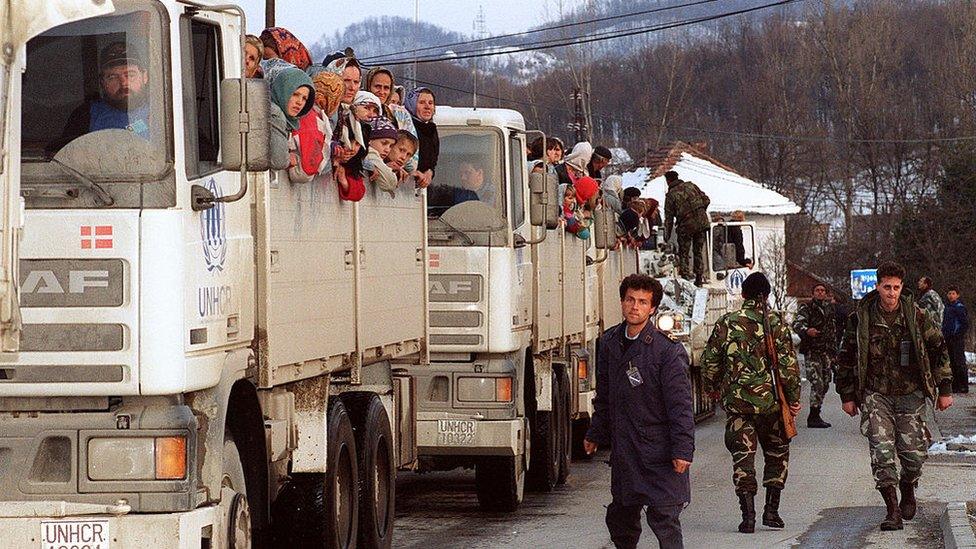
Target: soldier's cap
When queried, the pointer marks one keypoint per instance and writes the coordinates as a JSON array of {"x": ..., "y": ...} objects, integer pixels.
[
  {"x": 755, "y": 285},
  {"x": 116, "y": 54}
]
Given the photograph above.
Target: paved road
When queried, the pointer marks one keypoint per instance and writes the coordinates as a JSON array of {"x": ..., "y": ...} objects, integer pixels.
[{"x": 830, "y": 499}]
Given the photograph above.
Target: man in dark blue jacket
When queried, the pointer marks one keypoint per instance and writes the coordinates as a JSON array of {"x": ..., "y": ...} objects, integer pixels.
[
  {"x": 643, "y": 411},
  {"x": 955, "y": 324}
]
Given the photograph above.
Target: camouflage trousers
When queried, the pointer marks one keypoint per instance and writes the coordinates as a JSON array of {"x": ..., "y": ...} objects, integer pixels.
[
  {"x": 895, "y": 426},
  {"x": 818, "y": 371},
  {"x": 691, "y": 245},
  {"x": 742, "y": 433}
]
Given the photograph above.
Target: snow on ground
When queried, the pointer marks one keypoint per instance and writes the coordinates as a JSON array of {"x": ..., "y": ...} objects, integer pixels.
[
  {"x": 957, "y": 445},
  {"x": 727, "y": 190}
]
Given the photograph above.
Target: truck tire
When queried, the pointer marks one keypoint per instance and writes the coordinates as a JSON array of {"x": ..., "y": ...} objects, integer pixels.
[
  {"x": 565, "y": 429},
  {"x": 500, "y": 481},
  {"x": 322, "y": 509},
  {"x": 234, "y": 487},
  {"x": 544, "y": 469},
  {"x": 377, "y": 477}
]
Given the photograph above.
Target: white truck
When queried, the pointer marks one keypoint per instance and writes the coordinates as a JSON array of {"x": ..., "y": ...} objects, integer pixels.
[
  {"x": 190, "y": 348},
  {"x": 515, "y": 311},
  {"x": 695, "y": 310},
  {"x": 197, "y": 353}
]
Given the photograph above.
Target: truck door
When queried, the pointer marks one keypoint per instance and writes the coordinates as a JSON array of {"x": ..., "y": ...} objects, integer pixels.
[{"x": 21, "y": 20}]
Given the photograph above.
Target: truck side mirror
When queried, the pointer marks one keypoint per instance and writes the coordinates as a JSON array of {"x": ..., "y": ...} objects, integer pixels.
[
  {"x": 543, "y": 204},
  {"x": 602, "y": 227},
  {"x": 261, "y": 131}
]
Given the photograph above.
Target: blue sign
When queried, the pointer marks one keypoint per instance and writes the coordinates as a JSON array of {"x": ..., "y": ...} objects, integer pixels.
[
  {"x": 863, "y": 281},
  {"x": 213, "y": 231}
]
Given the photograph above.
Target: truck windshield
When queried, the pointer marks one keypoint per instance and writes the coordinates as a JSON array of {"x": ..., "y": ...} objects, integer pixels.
[
  {"x": 466, "y": 200},
  {"x": 96, "y": 110}
]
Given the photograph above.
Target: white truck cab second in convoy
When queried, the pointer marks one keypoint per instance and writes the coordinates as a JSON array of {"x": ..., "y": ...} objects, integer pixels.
[
  {"x": 189, "y": 348},
  {"x": 516, "y": 306}
]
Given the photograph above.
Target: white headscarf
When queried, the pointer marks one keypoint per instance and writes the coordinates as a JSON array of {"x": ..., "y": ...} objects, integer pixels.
[{"x": 579, "y": 157}]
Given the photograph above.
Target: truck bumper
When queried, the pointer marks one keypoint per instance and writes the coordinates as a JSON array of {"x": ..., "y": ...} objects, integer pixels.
[
  {"x": 184, "y": 530},
  {"x": 477, "y": 438},
  {"x": 585, "y": 404}
]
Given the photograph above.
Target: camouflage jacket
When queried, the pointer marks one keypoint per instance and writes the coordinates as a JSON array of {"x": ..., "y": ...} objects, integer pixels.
[
  {"x": 735, "y": 362},
  {"x": 688, "y": 204},
  {"x": 931, "y": 303},
  {"x": 820, "y": 315},
  {"x": 928, "y": 351}
]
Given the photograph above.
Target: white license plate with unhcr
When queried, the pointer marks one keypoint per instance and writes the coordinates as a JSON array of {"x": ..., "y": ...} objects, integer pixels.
[
  {"x": 456, "y": 432},
  {"x": 75, "y": 534}
]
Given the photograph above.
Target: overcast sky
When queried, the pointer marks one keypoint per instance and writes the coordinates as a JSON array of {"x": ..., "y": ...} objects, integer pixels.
[{"x": 310, "y": 19}]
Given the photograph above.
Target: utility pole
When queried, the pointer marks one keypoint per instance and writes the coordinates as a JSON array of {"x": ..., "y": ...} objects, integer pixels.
[
  {"x": 269, "y": 13},
  {"x": 411, "y": 69},
  {"x": 578, "y": 124},
  {"x": 479, "y": 33}
]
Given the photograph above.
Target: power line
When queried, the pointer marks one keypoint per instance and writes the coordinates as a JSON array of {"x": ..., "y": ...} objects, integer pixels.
[
  {"x": 557, "y": 43},
  {"x": 378, "y": 58}
]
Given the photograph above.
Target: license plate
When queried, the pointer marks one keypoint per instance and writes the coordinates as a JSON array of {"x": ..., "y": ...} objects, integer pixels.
[
  {"x": 456, "y": 432},
  {"x": 75, "y": 534}
]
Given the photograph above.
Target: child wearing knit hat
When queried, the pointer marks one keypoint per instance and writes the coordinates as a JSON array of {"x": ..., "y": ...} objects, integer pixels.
[{"x": 382, "y": 137}]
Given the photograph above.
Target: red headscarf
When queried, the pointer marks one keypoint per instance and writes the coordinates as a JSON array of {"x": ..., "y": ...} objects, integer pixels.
[
  {"x": 287, "y": 45},
  {"x": 586, "y": 188}
]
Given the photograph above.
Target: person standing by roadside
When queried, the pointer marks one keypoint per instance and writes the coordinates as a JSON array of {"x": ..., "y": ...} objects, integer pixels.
[
  {"x": 736, "y": 367},
  {"x": 892, "y": 358},
  {"x": 816, "y": 325},
  {"x": 643, "y": 412},
  {"x": 955, "y": 324},
  {"x": 930, "y": 301}
]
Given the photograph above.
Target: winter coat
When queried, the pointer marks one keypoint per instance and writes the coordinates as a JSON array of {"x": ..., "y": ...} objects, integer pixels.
[
  {"x": 648, "y": 425},
  {"x": 430, "y": 145},
  {"x": 931, "y": 303},
  {"x": 955, "y": 320},
  {"x": 929, "y": 351}
]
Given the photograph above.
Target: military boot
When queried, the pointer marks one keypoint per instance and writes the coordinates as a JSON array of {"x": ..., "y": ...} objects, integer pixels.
[
  {"x": 893, "y": 520},
  {"x": 747, "y": 503},
  {"x": 771, "y": 511},
  {"x": 814, "y": 421},
  {"x": 908, "y": 505}
]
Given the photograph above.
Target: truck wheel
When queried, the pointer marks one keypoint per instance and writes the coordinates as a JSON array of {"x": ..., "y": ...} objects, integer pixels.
[
  {"x": 376, "y": 477},
  {"x": 234, "y": 489},
  {"x": 544, "y": 471},
  {"x": 500, "y": 481},
  {"x": 565, "y": 434},
  {"x": 321, "y": 510}
]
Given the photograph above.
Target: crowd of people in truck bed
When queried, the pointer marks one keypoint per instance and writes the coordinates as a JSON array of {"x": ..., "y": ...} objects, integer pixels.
[{"x": 356, "y": 128}]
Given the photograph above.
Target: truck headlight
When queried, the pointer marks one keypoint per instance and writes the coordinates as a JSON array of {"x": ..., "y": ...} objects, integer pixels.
[
  {"x": 665, "y": 323},
  {"x": 137, "y": 458},
  {"x": 484, "y": 389}
]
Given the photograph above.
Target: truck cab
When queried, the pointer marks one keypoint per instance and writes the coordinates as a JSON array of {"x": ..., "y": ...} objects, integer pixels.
[{"x": 515, "y": 307}]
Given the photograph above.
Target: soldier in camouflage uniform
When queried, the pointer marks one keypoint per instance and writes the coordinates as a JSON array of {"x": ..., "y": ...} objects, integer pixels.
[
  {"x": 930, "y": 301},
  {"x": 892, "y": 358},
  {"x": 736, "y": 365},
  {"x": 816, "y": 325},
  {"x": 687, "y": 204}
]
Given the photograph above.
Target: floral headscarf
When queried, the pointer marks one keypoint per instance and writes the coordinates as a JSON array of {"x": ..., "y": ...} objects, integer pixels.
[
  {"x": 328, "y": 91},
  {"x": 287, "y": 46}
]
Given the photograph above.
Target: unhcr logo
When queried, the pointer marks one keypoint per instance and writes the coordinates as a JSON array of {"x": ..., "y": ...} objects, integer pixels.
[{"x": 213, "y": 231}]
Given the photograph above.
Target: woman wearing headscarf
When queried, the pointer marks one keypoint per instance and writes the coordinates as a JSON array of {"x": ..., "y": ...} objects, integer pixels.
[
  {"x": 381, "y": 83},
  {"x": 611, "y": 187},
  {"x": 281, "y": 43},
  {"x": 574, "y": 166},
  {"x": 294, "y": 93},
  {"x": 420, "y": 104},
  {"x": 328, "y": 94}
]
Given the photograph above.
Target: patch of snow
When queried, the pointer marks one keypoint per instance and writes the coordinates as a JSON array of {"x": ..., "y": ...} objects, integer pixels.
[
  {"x": 942, "y": 446},
  {"x": 970, "y": 360},
  {"x": 727, "y": 190}
]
